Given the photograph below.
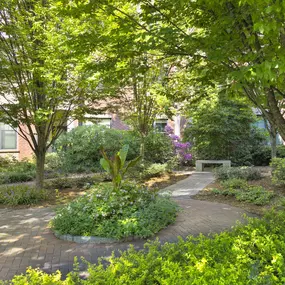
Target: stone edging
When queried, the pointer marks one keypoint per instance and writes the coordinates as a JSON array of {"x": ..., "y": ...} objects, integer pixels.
[{"x": 91, "y": 239}]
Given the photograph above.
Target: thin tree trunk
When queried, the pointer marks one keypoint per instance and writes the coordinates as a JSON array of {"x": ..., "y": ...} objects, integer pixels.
[
  {"x": 273, "y": 144},
  {"x": 273, "y": 136},
  {"x": 40, "y": 159},
  {"x": 142, "y": 148},
  {"x": 277, "y": 116},
  {"x": 40, "y": 164}
]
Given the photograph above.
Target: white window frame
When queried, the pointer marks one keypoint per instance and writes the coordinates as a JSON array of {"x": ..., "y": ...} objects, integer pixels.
[
  {"x": 2, "y": 135},
  {"x": 160, "y": 121}
]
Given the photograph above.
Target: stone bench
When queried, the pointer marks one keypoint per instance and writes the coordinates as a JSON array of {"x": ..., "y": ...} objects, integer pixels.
[{"x": 200, "y": 163}]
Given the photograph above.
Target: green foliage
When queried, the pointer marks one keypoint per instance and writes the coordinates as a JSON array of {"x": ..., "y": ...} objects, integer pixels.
[
  {"x": 130, "y": 211},
  {"x": 158, "y": 148},
  {"x": 247, "y": 173},
  {"x": 236, "y": 44},
  {"x": 79, "y": 149},
  {"x": 240, "y": 189},
  {"x": 278, "y": 171},
  {"x": 155, "y": 169},
  {"x": 262, "y": 156},
  {"x": 72, "y": 182},
  {"x": 52, "y": 162},
  {"x": 255, "y": 194},
  {"x": 222, "y": 130},
  {"x": 21, "y": 195},
  {"x": 36, "y": 276},
  {"x": 117, "y": 167},
  {"x": 13, "y": 171},
  {"x": 249, "y": 254},
  {"x": 234, "y": 183}
]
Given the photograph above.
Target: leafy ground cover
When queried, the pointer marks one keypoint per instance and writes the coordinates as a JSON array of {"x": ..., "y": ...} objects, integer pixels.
[
  {"x": 63, "y": 190},
  {"x": 249, "y": 254},
  {"x": 255, "y": 196},
  {"x": 127, "y": 211},
  {"x": 22, "y": 195}
]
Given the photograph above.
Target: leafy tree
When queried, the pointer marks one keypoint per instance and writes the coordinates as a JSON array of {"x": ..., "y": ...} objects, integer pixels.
[
  {"x": 43, "y": 81},
  {"x": 222, "y": 129},
  {"x": 239, "y": 44}
]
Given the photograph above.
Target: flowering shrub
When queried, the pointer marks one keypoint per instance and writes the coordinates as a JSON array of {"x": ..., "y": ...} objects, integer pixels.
[
  {"x": 181, "y": 148},
  {"x": 129, "y": 211}
]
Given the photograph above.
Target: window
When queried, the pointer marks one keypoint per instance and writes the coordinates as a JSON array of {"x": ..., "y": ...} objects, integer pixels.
[
  {"x": 261, "y": 124},
  {"x": 97, "y": 121},
  {"x": 8, "y": 137},
  {"x": 160, "y": 125}
]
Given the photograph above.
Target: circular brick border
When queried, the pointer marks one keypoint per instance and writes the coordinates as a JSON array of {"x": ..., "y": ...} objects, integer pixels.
[{"x": 92, "y": 239}]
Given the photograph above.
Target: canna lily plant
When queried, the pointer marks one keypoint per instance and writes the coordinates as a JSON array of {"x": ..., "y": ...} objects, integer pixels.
[{"x": 117, "y": 166}]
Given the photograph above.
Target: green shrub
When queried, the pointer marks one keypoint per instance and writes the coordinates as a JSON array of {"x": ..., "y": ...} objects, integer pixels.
[
  {"x": 72, "y": 182},
  {"x": 222, "y": 129},
  {"x": 247, "y": 173},
  {"x": 21, "y": 195},
  {"x": 262, "y": 156},
  {"x": 243, "y": 192},
  {"x": 129, "y": 211},
  {"x": 249, "y": 254},
  {"x": 225, "y": 192},
  {"x": 13, "y": 171},
  {"x": 158, "y": 148},
  {"x": 52, "y": 162},
  {"x": 36, "y": 277},
  {"x": 254, "y": 194},
  {"x": 278, "y": 171},
  {"x": 15, "y": 177},
  {"x": 235, "y": 183},
  {"x": 79, "y": 149},
  {"x": 154, "y": 170}
]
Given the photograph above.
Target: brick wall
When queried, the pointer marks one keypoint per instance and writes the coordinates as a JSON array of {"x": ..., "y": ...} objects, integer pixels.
[{"x": 24, "y": 148}]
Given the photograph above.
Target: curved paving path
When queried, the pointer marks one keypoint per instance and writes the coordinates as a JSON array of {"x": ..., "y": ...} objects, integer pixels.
[{"x": 25, "y": 239}]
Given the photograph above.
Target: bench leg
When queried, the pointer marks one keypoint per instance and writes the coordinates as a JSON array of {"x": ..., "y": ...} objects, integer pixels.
[
  {"x": 227, "y": 164},
  {"x": 199, "y": 166}
]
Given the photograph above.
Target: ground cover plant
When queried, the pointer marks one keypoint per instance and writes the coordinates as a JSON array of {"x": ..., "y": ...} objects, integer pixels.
[
  {"x": 116, "y": 209},
  {"x": 242, "y": 191},
  {"x": 21, "y": 195},
  {"x": 249, "y": 254},
  {"x": 129, "y": 211}
]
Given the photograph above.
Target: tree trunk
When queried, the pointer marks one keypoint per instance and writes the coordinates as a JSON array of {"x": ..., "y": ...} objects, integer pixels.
[
  {"x": 273, "y": 144},
  {"x": 142, "y": 147},
  {"x": 40, "y": 164},
  {"x": 271, "y": 128},
  {"x": 276, "y": 113}
]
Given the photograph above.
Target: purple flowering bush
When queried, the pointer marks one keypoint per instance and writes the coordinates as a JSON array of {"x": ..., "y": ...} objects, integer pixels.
[{"x": 182, "y": 149}]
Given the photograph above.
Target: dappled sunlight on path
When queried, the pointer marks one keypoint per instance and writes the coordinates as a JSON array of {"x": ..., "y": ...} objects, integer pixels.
[{"x": 26, "y": 240}]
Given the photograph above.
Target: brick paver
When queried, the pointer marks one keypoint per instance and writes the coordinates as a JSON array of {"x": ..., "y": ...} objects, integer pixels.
[{"x": 26, "y": 240}]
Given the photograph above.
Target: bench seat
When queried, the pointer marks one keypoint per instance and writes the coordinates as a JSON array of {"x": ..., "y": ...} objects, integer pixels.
[{"x": 200, "y": 163}]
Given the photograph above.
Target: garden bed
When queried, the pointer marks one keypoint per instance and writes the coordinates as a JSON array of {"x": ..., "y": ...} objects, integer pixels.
[
  {"x": 279, "y": 192},
  {"x": 128, "y": 211},
  {"x": 69, "y": 188}
]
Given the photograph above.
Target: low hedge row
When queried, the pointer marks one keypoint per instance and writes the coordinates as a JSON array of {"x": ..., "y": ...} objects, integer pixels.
[{"x": 249, "y": 254}]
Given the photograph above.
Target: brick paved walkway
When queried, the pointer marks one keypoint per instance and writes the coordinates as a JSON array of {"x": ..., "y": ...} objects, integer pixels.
[{"x": 25, "y": 239}]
